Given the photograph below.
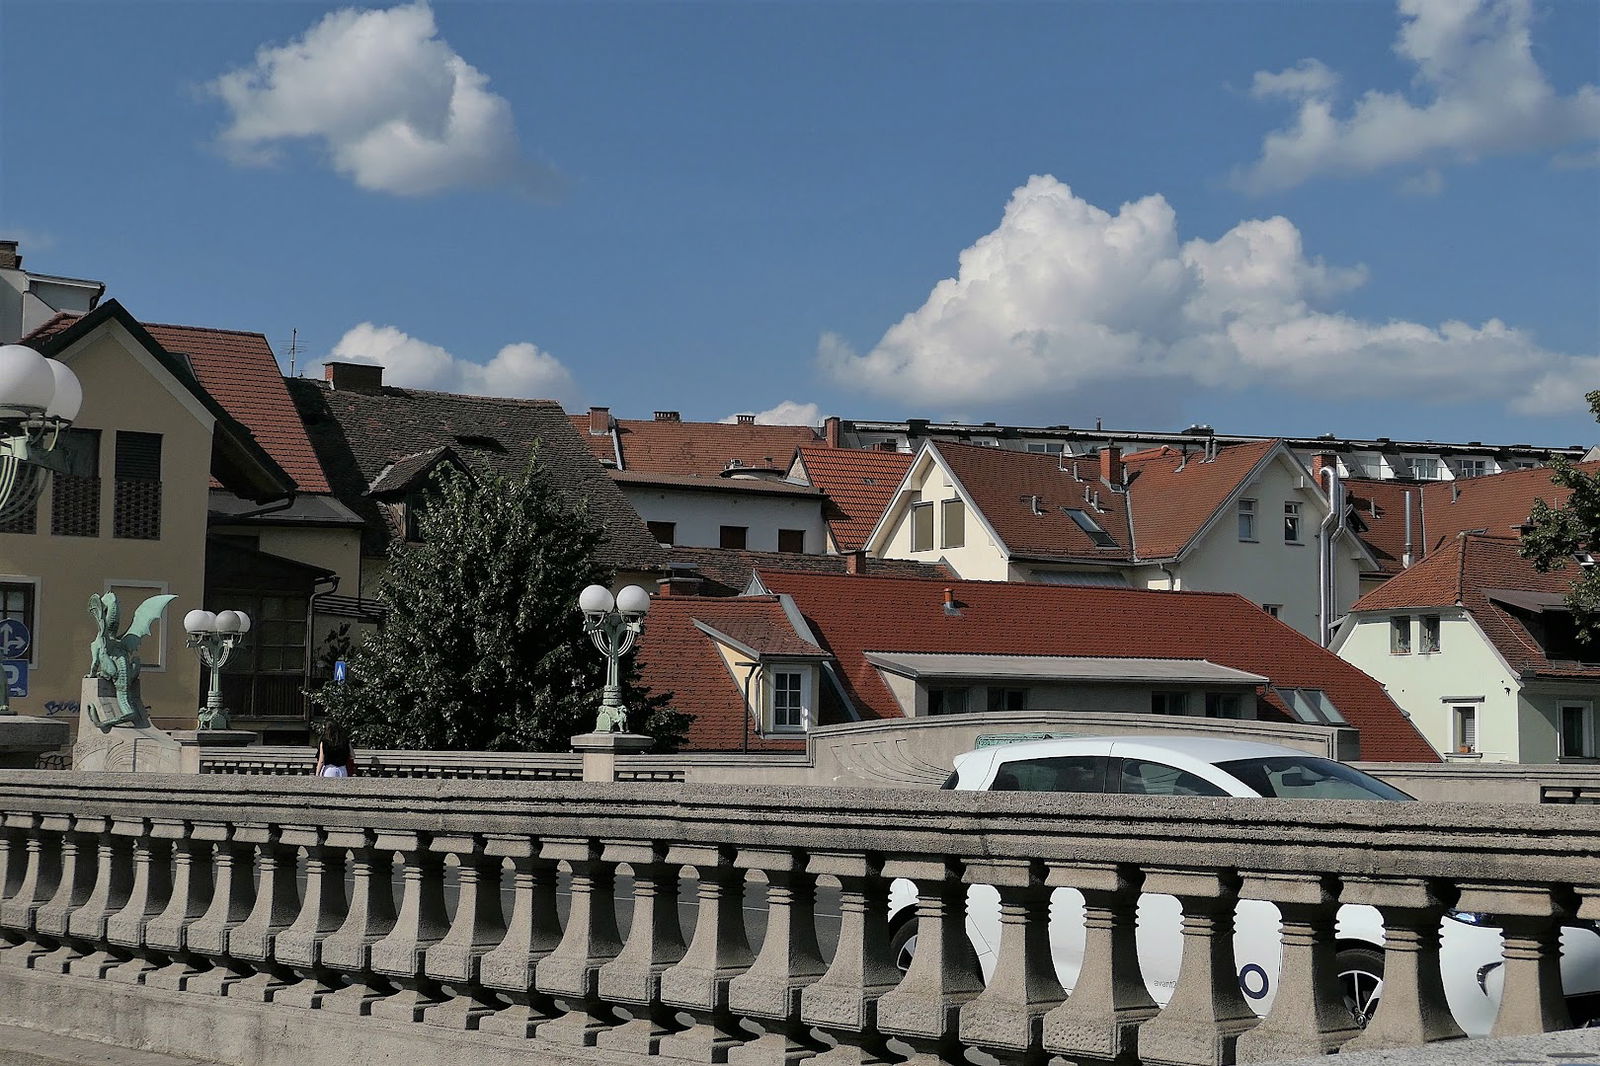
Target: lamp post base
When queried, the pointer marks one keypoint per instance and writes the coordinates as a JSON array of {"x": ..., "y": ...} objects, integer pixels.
[{"x": 600, "y": 751}]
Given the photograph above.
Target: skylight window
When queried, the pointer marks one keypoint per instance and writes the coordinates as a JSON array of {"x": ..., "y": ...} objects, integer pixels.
[
  {"x": 1311, "y": 705},
  {"x": 477, "y": 440},
  {"x": 1101, "y": 538}
]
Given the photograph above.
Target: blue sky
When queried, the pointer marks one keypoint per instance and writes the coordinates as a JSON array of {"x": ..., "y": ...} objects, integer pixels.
[{"x": 1359, "y": 218}]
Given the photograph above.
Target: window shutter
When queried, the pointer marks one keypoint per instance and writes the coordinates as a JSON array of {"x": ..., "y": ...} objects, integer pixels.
[{"x": 137, "y": 495}]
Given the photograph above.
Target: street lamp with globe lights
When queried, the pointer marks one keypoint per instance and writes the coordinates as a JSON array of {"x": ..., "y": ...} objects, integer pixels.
[
  {"x": 213, "y": 638},
  {"x": 39, "y": 398},
  {"x": 614, "y": 626}
]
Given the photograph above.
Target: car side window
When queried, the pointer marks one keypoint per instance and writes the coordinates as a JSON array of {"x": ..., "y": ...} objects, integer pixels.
[
  {"x": 1141, "y": 777},
  {"x": 1068, "y": 773}
]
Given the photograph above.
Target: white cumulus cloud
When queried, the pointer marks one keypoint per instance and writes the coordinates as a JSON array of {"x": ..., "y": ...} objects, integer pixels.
[
  {"x": 1477, "y": 91},
  {"x": 393, "y": 105},
  {"x": 1064, "y": 297},
  {"x": 787, "y": 413},
  {"x": 521, "y": 370}
]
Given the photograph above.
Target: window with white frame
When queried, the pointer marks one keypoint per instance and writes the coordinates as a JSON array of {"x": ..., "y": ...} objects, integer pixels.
[
  {"x": 1430, "y": 634},
  {"x": 1578, "y": 731},
  {"x": 1247, "y": 520},
  {"x": 1274, "y": 609},
  {"x": 790, "y": 700},
  {"x": 1423, "y": 468},
  {"x": 1291, "y": 522},
  {"x": 953, "y": 524},
  {"x": 1465, "y": 726},
  {"x": 1472, "y": 467},
  {"x": 1045, "y": 447}
]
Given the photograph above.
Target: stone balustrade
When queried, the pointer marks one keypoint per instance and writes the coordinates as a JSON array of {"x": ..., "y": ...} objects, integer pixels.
[{"x": 189, "y": 886}]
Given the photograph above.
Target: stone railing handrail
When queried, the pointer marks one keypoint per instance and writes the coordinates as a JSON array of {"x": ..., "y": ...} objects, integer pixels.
[{"x": 188, "y": 883}]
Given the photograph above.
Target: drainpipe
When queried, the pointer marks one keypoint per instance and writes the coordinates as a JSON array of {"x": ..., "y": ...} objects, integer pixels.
[
  {"x": 1332, "y": 526},
  {"x": 1405, "y": 559}
]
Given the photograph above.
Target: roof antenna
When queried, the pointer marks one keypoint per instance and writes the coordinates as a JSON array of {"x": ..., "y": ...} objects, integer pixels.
[{"x": 294, "y": 349}]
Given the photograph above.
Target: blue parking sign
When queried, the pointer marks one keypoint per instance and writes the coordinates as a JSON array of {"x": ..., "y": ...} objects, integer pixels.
[{"x": 16, "y": 671}]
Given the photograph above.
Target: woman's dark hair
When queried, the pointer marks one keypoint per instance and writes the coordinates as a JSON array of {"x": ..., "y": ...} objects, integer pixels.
[{"x": 335, "y": 746}]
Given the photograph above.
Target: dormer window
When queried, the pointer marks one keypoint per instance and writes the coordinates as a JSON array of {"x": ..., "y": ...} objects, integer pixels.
[
  {"x": 416, "y": 502},
  {"x": 789, "y": 700}
]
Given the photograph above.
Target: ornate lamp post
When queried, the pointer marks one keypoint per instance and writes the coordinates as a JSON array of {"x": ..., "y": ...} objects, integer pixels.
[
  {"x": 213, "y": 638},
  {"x": 39, "y": 398},
  {"x": 614, "y": 625}
]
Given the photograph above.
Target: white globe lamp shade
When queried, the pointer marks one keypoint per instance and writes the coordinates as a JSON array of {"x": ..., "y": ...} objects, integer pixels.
[
  {"x": 596, "y": 599},
  {"x": 26, "y": 381},
  {"x": 228, "y": 622},
  {"x": 633, "y": 600},
  {"x": 200, "y": 622},
  {"x": 69, "y": 393},
  {"x": 244, "y": 622}
]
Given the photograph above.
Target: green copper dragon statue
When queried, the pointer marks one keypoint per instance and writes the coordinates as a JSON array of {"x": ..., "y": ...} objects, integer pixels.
[{"x": 115, "y": 658}]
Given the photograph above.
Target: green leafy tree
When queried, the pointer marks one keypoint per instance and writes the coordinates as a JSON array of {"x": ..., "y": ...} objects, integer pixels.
[
  {"x": 484, "y": 647},
  {"x": 1558, "y": 534}
]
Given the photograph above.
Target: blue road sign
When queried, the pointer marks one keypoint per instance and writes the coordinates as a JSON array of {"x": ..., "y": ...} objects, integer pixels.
[
  {"x": 16, "y": 672},
  {"x": 339, "y": 669},
  {"x": 14, "y": 638}
]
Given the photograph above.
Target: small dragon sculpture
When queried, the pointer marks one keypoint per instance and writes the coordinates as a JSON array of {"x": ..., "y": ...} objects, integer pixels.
[{"x": 115, "y": 658}]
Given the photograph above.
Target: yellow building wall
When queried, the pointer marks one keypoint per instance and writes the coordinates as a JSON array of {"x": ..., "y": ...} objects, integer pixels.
[
  {"x": 977, "y": 558},
  {"x": 121, "y": 391}
]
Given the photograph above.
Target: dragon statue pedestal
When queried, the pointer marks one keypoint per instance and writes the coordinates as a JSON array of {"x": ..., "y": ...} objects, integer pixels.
[
  {"x": 23, "y": 738},
  {"x": 126, "y": 747}
]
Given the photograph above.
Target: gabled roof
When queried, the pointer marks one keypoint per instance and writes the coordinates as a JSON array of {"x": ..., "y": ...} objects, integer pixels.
[
  {"x": 1497, "y": 504},
  {"x": 677, "y": 654},
  {"x": 859, "y": 485},
  {"x": 695, "y": 448},
  {"x": 1176, "y": 496},
  {"x": 1004, "y": 485},
  {"x": 238, "y": 460},
  {"x": 359, "y": 432},
  {"x": 727, "y": 572},
  {"x": 1002, "y": 618},
  {"x": 1519, "y": 610},
  {"x": 409, "y": 471}
]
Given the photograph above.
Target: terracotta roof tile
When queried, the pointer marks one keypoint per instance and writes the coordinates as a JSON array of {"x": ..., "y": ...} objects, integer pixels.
[
  {"x": 695, "y": 448},
  {"x": 1026, "y": 619},
  {"x": 1175, "y": 496},
  {"x": 859, "y": 485},
  {"x": 726, "y": 572},
  {"x": 1497, "y": 504},
  {"x": 1380, "y": 508}
]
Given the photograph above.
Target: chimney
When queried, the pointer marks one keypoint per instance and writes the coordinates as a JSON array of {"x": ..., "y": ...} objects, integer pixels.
[
  {"x": 9, "y": 259},
  {"x": 1111, "y": 464},
  {"x": 830, "y": 430},
  {"x": 599, "y": 421},
  {"x": 855, "y": 562},
  {"x": 353, "y": 376},
  {"x": 916, "y": 427},
  {"x": 667, "y": 416},
  {"x": 679, "y": 584},
  {"x": 745, "y": 420},
  {"x": 1323, "y": 461},
  {"x": 949, "y": 601}
]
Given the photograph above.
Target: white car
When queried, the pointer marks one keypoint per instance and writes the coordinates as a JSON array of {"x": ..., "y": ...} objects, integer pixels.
[{"x": 1470, "y": 956}]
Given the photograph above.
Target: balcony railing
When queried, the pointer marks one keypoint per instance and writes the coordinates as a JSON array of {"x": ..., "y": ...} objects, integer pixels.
[{"x": 189, "y": 885}]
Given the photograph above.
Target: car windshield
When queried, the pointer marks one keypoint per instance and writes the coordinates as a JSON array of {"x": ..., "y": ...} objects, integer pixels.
[{"x": 1307, "y": 777}]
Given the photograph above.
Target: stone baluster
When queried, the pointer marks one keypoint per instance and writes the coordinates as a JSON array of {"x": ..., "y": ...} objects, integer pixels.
[
  {"x": 370, "y": 918},
  {"x": 1413, "y": 1010},
  {"x": 789, "y": 960},
  {"x": 41, "y": 876},
  {"x": 1530, "y": 918},
  {"x": 925, "y": 1009},
  {"x": 13, "y": 853},
  {"x": 152, "y": 889},
  {"x": 1201, "y": 1023},
  {"x": 192, "y": 885},
  {"x": 233, "y": 897},
  {"x": 323, "y": 909},
  {"x": 76, "y": 887},
  {"x": 1308, "y": 1015},
  {"x": 590, "y": 940},
  {"x": 655, "y": 942},
  {"x": 277, "y": 905},
  {"x": 532, "y": 933},
  {"x": 421, "y": 922},
  {"x": 1100, "y": 1020},
  {"x": 478, "y": 929},
  {"x": 844, "y": 1000},
  {"x": 1007, "y": 1020},
  {"x": 113, "y": 883},
  {"x": 718, "y": 952}
]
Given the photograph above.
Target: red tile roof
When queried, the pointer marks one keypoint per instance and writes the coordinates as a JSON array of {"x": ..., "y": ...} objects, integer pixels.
[
  {"x": 854, "y": 615},
  {"x": 1497, "y": 504},
  {"x": 1002, "y": 484},
  {"x": 678, "y": 657},
  {"x": 697, "y": 448},
  {"x": 1466, "y": 572},
  {"x": 726, "y": 571},
  {"x": 240, "y": 371},
  {"x": 859, "y": 485},
  {"x": 1380, "y": 508},
  {"x": 1175, "y": 496}
]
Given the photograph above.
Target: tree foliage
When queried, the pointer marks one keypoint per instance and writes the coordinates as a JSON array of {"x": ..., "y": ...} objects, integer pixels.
[
  {"x": 1558, "y": 534},
  {"x": 484, "y": 646}
]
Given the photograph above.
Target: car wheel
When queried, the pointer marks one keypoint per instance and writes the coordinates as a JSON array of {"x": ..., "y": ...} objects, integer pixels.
[
  {"x": 903, "y": 942},
  {"x": 1360, "y": 981}
]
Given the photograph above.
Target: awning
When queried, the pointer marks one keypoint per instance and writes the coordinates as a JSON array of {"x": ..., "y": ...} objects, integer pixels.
[{"x": 922, "y": 665}]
